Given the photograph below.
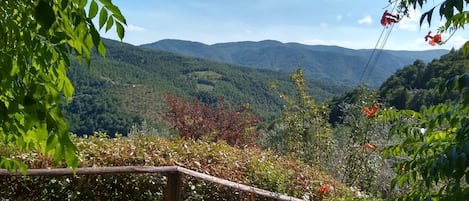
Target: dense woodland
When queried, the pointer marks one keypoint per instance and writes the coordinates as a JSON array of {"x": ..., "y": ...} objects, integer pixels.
[
  {"x": 417, "y": 85},
  {"x": 319, "y": 61}
]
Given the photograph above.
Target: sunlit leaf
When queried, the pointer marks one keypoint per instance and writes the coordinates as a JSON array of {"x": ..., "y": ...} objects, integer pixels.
[
  {"x": 102, "y": 17},
  {"x": 109, "y": 23}
]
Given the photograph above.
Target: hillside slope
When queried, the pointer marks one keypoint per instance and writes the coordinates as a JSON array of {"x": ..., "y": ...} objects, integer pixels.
[
  {"x": 330, "y": 63},
  {"x": 418, "y": 84},
  {"x": 129, "y": 85}
]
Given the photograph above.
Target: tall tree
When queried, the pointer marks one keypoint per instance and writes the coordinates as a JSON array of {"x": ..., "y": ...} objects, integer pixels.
[{"x": 37, "y": 38}]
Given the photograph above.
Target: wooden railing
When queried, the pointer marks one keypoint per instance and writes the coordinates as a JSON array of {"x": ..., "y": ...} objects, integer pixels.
[{"x": 172, "y": 190}]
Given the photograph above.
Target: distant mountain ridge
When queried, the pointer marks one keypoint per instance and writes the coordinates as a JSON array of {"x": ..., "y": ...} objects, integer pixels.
[{"x": 330, "y": 63}]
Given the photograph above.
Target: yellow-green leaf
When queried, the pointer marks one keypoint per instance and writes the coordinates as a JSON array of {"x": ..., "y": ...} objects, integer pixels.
[
  {"x": 109, "y": 23},
  {"x": 102, "y": 17},
  {"x": 68, "y": 89}
]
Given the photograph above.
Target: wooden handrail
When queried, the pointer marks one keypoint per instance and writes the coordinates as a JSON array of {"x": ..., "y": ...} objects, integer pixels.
[{"x": 172, "y": 190}]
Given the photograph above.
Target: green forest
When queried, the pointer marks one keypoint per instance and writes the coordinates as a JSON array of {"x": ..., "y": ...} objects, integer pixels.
[{"x": 72, "y": 99}]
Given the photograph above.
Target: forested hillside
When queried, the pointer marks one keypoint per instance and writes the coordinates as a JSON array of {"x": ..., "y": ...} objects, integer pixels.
[
  {"x": 130, "y": 84},
  {"x": 418, "y": 84},
  {"x": 330, "y": 63}
]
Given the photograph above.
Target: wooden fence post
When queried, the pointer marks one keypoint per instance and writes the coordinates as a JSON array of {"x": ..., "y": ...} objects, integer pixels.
[{"x": 172, "y": 191}]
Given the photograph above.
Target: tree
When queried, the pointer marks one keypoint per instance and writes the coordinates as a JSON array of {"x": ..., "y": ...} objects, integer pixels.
[
  {"x": 303, "y": 129},
  {"x": 37, "y": 38},
  {"x": 434, "y": 150},
  {"x": 433, "y": 155}
]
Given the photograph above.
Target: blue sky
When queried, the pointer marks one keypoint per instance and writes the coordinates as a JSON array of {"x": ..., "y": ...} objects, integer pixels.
[{"x": 347, "y": 23}]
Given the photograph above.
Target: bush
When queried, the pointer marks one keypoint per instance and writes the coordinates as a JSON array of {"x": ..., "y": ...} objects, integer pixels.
[
  {"x": 203, "y": 121},
  {"x": 250, "y": 166}
]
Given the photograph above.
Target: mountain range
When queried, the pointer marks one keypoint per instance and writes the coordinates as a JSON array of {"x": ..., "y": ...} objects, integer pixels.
[{"x": 329, "y": 63}]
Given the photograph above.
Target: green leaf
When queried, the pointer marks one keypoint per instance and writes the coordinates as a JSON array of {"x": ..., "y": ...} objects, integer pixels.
[
  {"x": 116, "y": 13},
  {"x": 120, "y": 30},
  {"x": 465, "y": 48},
  {"x": 14, "y": 69},
  {"x": 82, "y": 3},
  {"x": 45, "y": 14},
  {"x": 52, "y": 142},
  {"x": 102, "y": 17},
  {"x": 442, "y": 9},
  {"x": 463, "y": 82},
  {"x": 58, "y": 153},
  {"x": 101, "y": 49},
  {"x": 93, "y": 10},
  {"x": 68, "y": 89},
  {"x": 94, "y": 34},
  {"x": 449, "y": 9},
  {"x": 106, "y": 2},
  {"x": 109, "y": 23},
  {"x": 459, "y": 5},
  {"x": 429, "y": 16}
]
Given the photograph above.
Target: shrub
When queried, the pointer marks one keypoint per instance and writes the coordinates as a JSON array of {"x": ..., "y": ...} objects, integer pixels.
[
  {"x": 199, "y": 120},
  {"x": 251, "y": 166}
]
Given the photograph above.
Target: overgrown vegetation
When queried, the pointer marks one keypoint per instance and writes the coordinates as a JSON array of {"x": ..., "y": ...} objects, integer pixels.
[
  {"x": 252, "y": 166},
  {"x": 212, "y": 123},
  {"x": 302, "y": 130}
]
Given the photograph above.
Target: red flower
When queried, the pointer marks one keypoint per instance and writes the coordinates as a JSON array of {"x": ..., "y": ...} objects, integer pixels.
[
  {"x": 436, "y": 39},
  {"x": 389, "y": 18},
  {"x": 323, "y": 190},
  {"x": 372, "y": 112}
]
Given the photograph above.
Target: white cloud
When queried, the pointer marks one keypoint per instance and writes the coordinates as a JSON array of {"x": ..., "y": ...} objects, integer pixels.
[
  {"x": 339, "y": 17},
  {"x": 455, "y": 41},
  {"x": 132, "y": 27},
  {"x": 365, "y": 20},
  {"x": 323, "y": 24}
]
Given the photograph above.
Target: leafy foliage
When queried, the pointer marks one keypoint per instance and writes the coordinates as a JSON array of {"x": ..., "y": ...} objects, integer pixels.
[
  {"x": 417, "y": 85},
  {"x": 204, "y": 121},
  {"x": 95, "y": 108},
  {"x": 453, "y": 12},
  {"x": 303, "y": 130},
  {"x": 263, "y": 169},
  {"x": 435, "y": 151},
  {"x": 37, "y": 38},
  {"x": 358, "y": 135}
]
